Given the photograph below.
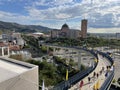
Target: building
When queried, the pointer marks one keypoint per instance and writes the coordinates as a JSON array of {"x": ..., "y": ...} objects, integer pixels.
[
  {"x": 84, "y": 28},
  {"x": 17, "y": 75},
  {"x": 118, "y": 35},
  {"x": 20, "y": 42},
  {"x": 66, "y": 32},
  {"x": 4, "y": 49},
  {"x": 17, "y": 39},
  {"x": 37, "y": 34},
  {"x": 16, "y": 35}
]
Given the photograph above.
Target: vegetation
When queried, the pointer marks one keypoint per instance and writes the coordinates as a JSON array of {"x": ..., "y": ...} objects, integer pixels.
[
  {"x": 33, "y": 44},
  {"x": 49, "y": 72},
  {"x": 32, "y": 41},
  {"x": 69, "y": 64},
  {"x": 54, "y": 73},
  {"x": 17, "y": 57},
  {"x": 7, "y": 26},
  {"x": 89, "y": 42},
  {"x": 114, "y": 81},
  {"x": 64, "y": 42},
  {"x": 59, "y": 60},
  {"x": 118, "y": 81},
  {"x": 44, "y": 49},
  {"x": 26, "y": 46}
]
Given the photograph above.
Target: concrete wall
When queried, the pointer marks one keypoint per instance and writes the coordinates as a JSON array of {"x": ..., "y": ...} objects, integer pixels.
[{"x": 25, "y": 81}]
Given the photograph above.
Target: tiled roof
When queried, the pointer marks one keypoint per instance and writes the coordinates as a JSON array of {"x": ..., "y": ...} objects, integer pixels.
[
  {"x": 2, "y": 44},
  {"x": 14, "y": 47}
]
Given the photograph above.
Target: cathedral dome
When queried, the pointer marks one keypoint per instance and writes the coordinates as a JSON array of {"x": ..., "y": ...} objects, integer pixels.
[{"x": 65, "y": 26}]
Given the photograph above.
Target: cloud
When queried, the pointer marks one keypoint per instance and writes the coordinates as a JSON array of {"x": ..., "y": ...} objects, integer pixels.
[
  {"x": 104, "y": 30},
  {"x": 100, "y": 13},
  {"x": 62, "y": 16},
  {"x": 12, "y": 17},
  {"x": 57, "y": 24},
  {"x": 63, "y": 2},
  {"x": 52, "y": 2},
  {"x": 106, "y": 10}
]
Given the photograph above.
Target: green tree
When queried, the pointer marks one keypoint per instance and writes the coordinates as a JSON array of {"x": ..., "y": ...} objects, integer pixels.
[
  {"x": 44, "y": 49},
  {"x": 71, "y": 62}
]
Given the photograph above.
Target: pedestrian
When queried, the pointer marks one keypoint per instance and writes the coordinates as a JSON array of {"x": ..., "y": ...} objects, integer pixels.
[
  {"x": 94, "y": 74},
  {"x": 106, "y": 74},
  {"x": 89, "y": 79},
  {"x": 102, "y": 69},
  {"x": 107, "y": 68},
  {"x": 81, "y": 84},
  {"x": 97, "y": 75},
  {"x": 111, "y": 69},
  {"x": 100, "y": 72}
]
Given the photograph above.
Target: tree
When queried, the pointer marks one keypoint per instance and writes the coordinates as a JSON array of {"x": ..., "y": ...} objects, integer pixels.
[
  {"x": 71, "y": 62},
  {"x": 118, "y": 81},
  {"x": 44, "y": 49}
]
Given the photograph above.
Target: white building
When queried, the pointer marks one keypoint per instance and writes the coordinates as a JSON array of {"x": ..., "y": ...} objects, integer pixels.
[
  {"x": 4, "y": 50},
  {"x": 24, "y": 53},
  {"x": 16, "y": 75},
  {"x": 20, "y": 42}
]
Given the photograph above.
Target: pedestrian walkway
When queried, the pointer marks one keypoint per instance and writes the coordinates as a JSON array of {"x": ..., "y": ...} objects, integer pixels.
[{"x": 93, "y": 82}]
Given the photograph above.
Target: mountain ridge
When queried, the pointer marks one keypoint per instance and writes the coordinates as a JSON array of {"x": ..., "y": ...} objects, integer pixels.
[{"x": 11, "y": 26}]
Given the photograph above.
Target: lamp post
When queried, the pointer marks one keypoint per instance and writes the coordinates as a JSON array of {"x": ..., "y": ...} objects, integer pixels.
[{"x": 79, "y": 60}]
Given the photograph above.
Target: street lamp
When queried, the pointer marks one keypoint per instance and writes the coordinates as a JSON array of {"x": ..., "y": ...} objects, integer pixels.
[{"x": 79, "y": 60}]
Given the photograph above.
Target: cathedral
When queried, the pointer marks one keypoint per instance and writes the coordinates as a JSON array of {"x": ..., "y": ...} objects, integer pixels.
[{"x": 66, "y": 32}]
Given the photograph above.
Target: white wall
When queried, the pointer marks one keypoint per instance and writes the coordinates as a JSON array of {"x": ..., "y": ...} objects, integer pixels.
[{"x": 25, "y": 81}]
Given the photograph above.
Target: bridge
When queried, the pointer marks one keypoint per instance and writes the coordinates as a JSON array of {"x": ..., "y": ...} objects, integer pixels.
[
  {"x": 102, "y": 63},
  {"x": 102, "y": 82}
]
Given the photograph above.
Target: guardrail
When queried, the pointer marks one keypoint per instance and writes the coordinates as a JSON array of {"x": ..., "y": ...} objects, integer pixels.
[
  {"x": 77, "y": 77},
  {"x": 109, "y": 79}
]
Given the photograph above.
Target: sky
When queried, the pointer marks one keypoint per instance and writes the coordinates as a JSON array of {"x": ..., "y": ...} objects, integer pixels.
[{"x": 103, "y": 15}]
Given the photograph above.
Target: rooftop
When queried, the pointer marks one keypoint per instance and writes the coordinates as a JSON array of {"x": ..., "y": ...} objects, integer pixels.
[
  {"x": 2, "y": 44},
  {"x": 10, "y": 68},
  {"x": 14, "y": 47},
  {"x": 39, "y": 33}
]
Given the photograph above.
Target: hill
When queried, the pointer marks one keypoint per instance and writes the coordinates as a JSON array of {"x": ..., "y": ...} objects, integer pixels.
[{"x": 9, "y": 26}]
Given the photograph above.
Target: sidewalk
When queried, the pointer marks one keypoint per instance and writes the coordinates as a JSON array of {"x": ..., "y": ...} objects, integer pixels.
[{"x": 89, "y": 85}]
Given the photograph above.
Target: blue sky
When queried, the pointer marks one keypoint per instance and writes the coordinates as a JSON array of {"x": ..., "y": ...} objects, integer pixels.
[{"x": 103, "y": 15}]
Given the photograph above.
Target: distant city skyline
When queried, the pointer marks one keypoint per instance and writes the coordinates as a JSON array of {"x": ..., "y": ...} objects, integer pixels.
[{"x": 103, "y": 15}]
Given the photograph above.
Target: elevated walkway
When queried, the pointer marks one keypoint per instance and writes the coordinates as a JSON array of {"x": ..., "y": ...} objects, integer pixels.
[{"x": 102, "y": 62}]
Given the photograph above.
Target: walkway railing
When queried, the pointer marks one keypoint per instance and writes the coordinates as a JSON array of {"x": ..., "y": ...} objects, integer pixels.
[
  {"x": 77, "y": 77},
  {"x": 109, "y": 79}
]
